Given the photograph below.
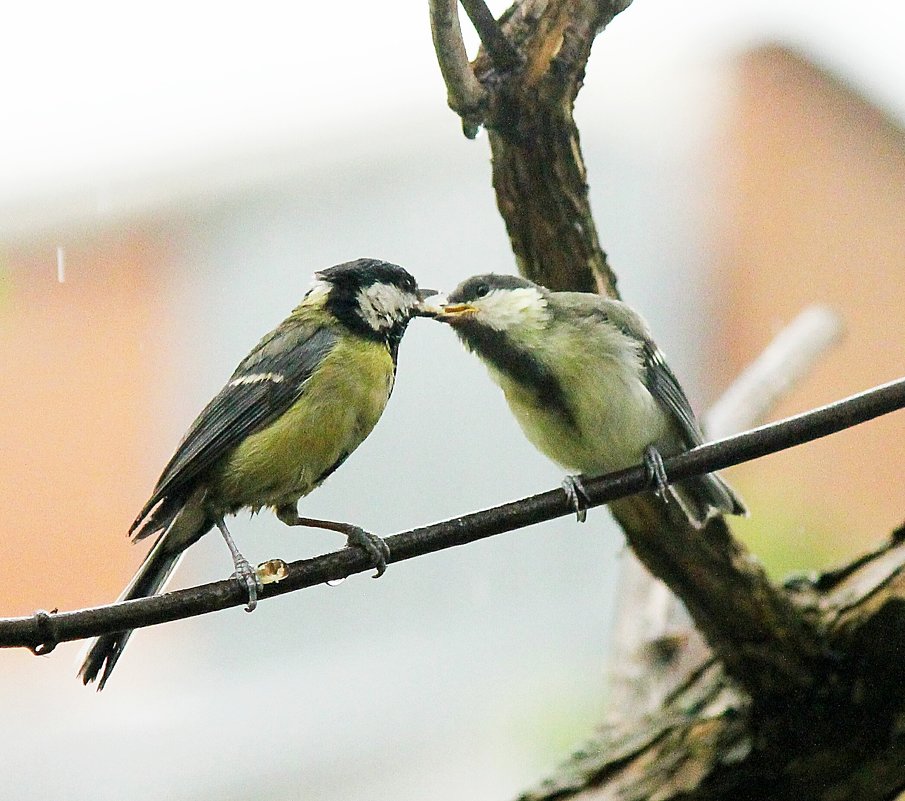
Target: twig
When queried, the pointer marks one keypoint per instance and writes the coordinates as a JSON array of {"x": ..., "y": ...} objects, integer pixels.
[
  {"x": 653, "y": 642},
  {"x": 35, "y": 631},
  {"x": 500, "y": 49},
  {"x": 466, "y": 96}
]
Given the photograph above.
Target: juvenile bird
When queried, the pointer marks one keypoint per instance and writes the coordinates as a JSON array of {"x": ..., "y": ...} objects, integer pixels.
[
  {"x": 586, "y": 383},
  {"x": 294, "y": 409}
]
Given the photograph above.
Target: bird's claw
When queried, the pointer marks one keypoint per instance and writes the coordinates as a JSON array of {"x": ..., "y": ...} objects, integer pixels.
[
  {"x": 576, "y": 495},
  {"x": 246, "y": 574},
  {"x": 372, "y": 545},
  {"x": 656, "y": 472}
]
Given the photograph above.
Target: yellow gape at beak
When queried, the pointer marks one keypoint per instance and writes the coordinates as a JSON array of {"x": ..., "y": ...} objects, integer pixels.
[{"x": 454, "y": 312}]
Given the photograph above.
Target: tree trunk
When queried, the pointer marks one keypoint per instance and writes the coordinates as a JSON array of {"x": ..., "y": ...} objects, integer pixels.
[{"x": 801, "y": 695}]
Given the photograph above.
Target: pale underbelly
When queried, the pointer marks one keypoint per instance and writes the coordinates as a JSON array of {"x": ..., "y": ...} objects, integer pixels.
[{"x": 607, "y": 433}]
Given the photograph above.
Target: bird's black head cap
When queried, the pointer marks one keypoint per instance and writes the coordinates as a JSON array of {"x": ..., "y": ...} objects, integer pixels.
[
  {"x": 480, "y": 285},
  {"x": 376, "y": 299},
  {"x": 362, "y": 273}
]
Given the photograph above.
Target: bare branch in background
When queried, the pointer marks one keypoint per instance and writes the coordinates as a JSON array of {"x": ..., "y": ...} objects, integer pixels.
[
  {"x": 654, "y": 645},
  {"x": 538, "y": 168},
  {"x": 784, "y": 362}
]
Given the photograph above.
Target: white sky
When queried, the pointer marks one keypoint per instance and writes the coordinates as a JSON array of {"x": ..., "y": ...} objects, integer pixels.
[
  {"x": 99, "y": 91},
  {"x": 99, "y": 96}
]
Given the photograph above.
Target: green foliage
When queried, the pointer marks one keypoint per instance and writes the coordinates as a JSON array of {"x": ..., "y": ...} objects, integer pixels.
[{"x": 790, "y": 537}]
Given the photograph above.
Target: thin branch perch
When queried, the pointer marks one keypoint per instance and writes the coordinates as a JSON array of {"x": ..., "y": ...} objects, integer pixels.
[{"x": 739, "y": 614}]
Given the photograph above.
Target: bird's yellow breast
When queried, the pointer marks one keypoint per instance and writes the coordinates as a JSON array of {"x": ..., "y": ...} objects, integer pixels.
[
  {"x": 611, "y": 415},
  {"x": 338, "y": 407}
]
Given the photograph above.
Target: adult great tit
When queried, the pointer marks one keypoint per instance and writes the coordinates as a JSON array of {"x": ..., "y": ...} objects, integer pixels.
[
  {"x": 586, "y": 383},
  {"x": 294, "y": 409}
]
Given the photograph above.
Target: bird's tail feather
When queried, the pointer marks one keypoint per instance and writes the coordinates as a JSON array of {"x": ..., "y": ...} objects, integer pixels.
[
  {"x": 704, "y": 496},
  {"x": 104, "y": 651},
  {"x": 185, "y": 527}
]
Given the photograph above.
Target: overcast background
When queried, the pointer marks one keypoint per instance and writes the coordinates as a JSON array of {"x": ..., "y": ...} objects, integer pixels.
[{"x": 262, "y": 143}]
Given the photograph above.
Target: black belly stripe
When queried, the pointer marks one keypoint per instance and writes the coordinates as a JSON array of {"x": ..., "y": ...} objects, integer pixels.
[{"x": 518, "y": 364}]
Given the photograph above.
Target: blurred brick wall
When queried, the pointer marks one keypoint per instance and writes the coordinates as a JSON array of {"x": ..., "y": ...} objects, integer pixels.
[
  {"x": 77, "y": 362},
  {"x": 815, "y": 187}
]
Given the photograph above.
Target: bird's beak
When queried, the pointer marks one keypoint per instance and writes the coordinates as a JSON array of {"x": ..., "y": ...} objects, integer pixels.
[
  {"x": 453, "y": 313},
  {"x": 426, "y": 309}
]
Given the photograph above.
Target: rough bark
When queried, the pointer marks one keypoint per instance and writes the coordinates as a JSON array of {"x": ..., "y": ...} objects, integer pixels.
[
  {"x": 802, "y": 697},
  {"x": 843, "y": 739}
]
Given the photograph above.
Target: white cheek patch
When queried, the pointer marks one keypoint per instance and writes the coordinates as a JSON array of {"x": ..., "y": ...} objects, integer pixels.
[
  {"x": 384, "y": 305},
  {"x": 503, "y": 308}
]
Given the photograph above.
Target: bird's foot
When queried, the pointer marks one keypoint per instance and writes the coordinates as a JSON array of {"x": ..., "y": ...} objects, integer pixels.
[
  {"x": 372, "y": 545},
  {"x": 356, "y": 537},
  {"x": 656, "y": 472},
  {"x": 576, "y": 495},
  {"x": 247, "y": 575}
]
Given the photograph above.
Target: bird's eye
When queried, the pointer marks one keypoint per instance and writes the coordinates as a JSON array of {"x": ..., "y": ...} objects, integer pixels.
[{"x": 481, "y": 290}]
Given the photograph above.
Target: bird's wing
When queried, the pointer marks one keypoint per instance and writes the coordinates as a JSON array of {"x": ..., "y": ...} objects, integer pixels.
[
  {"x": 666, "y": 389},
  {"x": 265, "y": 384},
  {"x": 657, "y": 375}
]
